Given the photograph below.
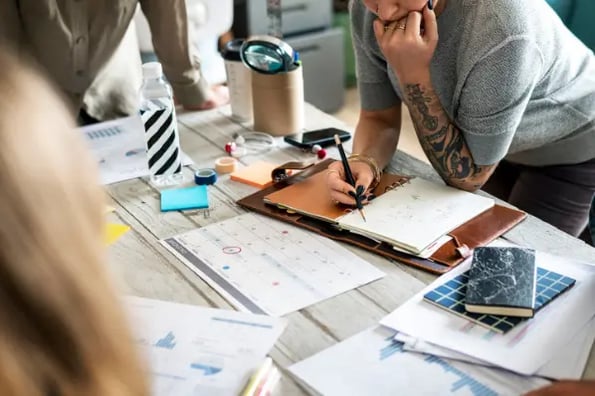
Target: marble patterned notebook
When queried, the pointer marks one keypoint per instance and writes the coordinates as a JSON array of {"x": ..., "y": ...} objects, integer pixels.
[
  {"x": 502, "y": 281},
  {"x": 451, "y": 297}
]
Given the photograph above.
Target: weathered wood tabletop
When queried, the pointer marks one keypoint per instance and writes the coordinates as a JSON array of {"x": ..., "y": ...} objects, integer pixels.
[{"x": 144, "y": 268}]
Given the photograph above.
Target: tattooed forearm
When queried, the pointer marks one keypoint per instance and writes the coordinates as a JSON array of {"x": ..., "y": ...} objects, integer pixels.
[
  {"x": 417, "y": 99},
  {"x": 436, "y": 140},
  {"x": 441, "y": 140}
]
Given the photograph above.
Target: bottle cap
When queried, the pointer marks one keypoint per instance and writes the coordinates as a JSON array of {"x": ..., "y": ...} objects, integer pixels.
[{"x": 152, "y": 70}]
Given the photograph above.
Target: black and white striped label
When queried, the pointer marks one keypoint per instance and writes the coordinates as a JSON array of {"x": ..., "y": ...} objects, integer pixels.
[{"x": 163, "y": 142}]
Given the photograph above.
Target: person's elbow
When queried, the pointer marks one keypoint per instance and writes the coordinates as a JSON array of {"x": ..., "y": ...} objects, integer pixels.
[
  {"x": 471, "y": 181},
  {"x": 466, "y": 185}
]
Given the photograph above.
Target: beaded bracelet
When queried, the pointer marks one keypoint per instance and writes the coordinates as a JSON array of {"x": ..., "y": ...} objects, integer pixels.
[{"x": 371, "y": 162}]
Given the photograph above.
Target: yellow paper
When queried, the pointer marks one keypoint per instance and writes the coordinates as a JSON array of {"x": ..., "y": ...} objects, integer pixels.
[{"x": 113, "y": 232}]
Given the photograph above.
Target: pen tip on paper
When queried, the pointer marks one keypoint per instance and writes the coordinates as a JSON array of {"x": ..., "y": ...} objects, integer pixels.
[{"x": 361, "y": 212}]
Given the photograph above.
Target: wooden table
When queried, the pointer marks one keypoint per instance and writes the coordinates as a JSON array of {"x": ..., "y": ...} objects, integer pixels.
[{"x": 144, "y": 268}]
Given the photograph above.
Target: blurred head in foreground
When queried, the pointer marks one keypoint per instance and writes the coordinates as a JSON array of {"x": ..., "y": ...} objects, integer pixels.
[{"x": 62, "y": 330}]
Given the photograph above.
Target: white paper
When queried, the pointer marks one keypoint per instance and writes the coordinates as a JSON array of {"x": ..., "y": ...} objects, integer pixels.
[
  {"x": 402, "y": 216},
  {"x": 527, "y": 347},
  {"x": 431, "y": 249},
  {"x": 372, "y": 363},
  {"x": 200, "y": 351},
  {"x": 567, "y": 363},
  {"x": 264, "y": 265},
  {"x": 120, "y": 149}
]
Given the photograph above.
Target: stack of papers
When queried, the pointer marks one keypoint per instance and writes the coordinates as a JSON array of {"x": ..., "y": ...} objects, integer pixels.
[
  {"x": 521, "y": 349},
  {"x": 200, "y": 351},
  {"x": 423, "y": 349},
  {"x": 373, "y": 363}
]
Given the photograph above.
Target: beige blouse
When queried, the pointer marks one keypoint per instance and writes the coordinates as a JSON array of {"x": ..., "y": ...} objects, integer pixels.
[{"x": 74, "y": 41}]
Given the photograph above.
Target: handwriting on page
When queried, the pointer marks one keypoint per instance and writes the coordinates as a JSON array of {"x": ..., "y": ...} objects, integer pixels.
[{"x": 419, "y": 212}]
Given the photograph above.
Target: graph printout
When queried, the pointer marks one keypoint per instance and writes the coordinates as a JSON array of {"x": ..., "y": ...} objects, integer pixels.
[
  {"x": 193, "y": 350},
  {"x": 120, "y": 149},
  {"x": 262, "y": 265},
  {"x": 373, "y": 363}
]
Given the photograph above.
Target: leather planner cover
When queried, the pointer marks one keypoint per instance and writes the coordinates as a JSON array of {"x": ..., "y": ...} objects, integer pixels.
[{"x": 478, "y": 231}]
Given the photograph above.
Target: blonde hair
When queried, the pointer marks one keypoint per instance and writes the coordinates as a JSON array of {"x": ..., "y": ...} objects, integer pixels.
[{"x": 62, "y": 331}]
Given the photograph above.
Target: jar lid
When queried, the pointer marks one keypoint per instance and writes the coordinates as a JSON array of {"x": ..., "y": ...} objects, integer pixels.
[{"x": 152, "y": 70}]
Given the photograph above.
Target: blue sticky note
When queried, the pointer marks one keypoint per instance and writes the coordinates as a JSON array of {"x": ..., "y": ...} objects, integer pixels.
[{"x": 184, "y": 198}]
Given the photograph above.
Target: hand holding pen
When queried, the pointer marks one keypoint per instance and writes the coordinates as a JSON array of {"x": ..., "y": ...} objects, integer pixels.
[{"x": 348, "y": 182}]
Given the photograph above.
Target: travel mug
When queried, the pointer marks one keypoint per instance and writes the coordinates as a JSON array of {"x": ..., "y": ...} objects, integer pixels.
[{"x": 238, "y": 82}]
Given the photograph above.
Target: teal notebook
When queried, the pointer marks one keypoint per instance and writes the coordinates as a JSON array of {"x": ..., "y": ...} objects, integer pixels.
[{"x": 184, "y": 198}]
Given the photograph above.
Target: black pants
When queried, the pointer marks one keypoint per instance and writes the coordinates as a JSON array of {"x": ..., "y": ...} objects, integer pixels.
[{"x": 560, "y": 195}]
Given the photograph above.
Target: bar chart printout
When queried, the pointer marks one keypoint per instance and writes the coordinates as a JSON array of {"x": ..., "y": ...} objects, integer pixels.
[
  {"x": 192, "y": 350},
  {"x": 372, "y": 362}
]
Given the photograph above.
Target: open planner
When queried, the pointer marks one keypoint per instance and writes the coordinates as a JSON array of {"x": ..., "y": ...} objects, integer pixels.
[
  {"x": 418, "y": 222},
  {"x": 412, "y": 216}
]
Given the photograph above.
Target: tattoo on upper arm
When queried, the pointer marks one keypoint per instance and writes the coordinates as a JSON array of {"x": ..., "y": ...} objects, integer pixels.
[{"x": 446, "y": 147}]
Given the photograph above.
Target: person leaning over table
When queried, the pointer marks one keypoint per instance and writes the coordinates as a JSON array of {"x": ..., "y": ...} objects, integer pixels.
[
  {"x": 85, "y": 47},
  {"x": 62, "y": 328},
  {"x": 501, "y": 95}
]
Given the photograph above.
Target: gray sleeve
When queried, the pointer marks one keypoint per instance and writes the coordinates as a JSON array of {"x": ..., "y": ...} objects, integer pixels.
[
  {"x": 495, "y": 95},
  {"x": 375, "y": 88}
]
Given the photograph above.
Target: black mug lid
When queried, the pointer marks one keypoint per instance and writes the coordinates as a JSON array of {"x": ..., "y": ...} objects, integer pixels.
[{"x": 231, "y": 50}]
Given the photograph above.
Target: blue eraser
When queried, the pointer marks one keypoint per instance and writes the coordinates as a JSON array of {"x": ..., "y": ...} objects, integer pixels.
[{"x": 184, "y": 198}]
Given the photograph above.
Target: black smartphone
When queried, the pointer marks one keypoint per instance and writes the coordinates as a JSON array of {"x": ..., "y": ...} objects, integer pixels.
[{"x": 322, "y": 137}]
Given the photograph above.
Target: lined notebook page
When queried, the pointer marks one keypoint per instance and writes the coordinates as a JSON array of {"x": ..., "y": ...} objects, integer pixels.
[{"x": 416, "y": 214}]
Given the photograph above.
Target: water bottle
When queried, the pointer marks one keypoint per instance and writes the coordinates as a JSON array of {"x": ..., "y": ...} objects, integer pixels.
[{"x": 158, "y": 115}]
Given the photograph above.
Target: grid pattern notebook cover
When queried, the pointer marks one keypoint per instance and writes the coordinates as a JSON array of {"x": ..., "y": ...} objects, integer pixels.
[{"x": 451, "y": 297}]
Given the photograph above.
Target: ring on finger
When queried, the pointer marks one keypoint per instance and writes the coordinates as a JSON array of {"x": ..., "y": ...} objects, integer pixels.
[{"x": 392, "y": 28}]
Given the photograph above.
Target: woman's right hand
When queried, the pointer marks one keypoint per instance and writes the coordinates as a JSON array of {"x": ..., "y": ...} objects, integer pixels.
[{"x": 343, "y": 192}]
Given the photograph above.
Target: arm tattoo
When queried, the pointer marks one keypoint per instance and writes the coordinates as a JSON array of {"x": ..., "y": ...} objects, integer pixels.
[
  {"x": 416, "y": 97},
  {"x": 441, "y": 140}
]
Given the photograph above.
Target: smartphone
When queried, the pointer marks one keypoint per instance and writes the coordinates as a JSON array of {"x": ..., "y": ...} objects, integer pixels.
[{"x": 322, "y": 137}]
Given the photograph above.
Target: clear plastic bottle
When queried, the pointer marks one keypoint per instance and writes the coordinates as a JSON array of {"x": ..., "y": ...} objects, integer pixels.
[{"x": 158, "y": 114}]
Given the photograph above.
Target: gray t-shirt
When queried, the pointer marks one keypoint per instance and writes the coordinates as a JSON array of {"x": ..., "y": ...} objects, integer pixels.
[{"x": 510, "y": 75}]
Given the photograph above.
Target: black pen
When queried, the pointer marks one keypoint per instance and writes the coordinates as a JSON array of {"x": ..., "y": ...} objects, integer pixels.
[
  {"x": 430, "y": 5},
  {"x": 349, "y": 176}
]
